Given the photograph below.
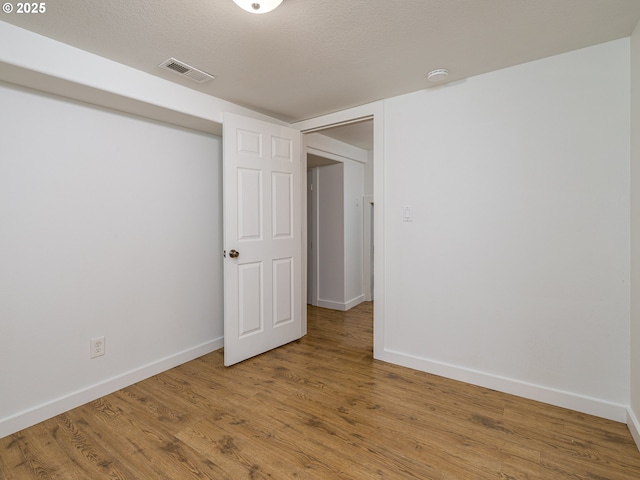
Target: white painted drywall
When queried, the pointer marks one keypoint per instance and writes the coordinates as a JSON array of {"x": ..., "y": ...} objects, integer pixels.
[
  {"x": 367, "y": 222},
  {"x": 331, "y": 236},
  {"x": 109, "y": 225},
  {"x": 515, "y": 270},
  {"x": 339, "y": 190},
  {"x": 634, "y": 414},
  {"x": 353, "y": 233},
  {"x": 368, "y": 174}
]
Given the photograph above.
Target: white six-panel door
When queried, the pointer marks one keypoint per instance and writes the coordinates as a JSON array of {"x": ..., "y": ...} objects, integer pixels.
[{"x": 262, "y": 237}]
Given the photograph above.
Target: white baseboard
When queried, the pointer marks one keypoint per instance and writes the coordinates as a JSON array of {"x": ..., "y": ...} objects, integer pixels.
[
  {"x": 331, "y": 304},
  {"x": 354, "y": 301},
  {"x": 634, "y": 426},
  {"x": 342, "y": 306},
  {"x": 559, "y": 398},
  {"x": 60, "y": 405}
]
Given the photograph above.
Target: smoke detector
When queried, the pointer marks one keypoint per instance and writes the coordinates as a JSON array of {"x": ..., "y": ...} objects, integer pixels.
[
  {"x": 437, "y": 75},
  {"x": 185, "y": 70},
  {"x": 258, "y": 6}
]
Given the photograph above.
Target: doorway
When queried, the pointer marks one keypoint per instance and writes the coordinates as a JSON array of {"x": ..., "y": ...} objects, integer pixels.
[
  {"x": 314, "y": 164},
  {"x": 375, "y": 171},
  {"x": 339, "y": 198}
]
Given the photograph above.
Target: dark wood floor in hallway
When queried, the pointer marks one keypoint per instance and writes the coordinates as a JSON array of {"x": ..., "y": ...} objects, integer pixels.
[{"x": 317, "y": 408}]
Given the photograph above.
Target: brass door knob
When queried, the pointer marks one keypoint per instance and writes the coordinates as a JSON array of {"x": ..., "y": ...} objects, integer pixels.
[{"x": 234, "y": 253}]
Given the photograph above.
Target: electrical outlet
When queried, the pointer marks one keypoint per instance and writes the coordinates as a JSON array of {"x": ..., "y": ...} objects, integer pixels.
[{"x": 97, "y": 347}]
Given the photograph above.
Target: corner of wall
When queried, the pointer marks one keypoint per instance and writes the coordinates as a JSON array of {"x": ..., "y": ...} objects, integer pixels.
[
  {"x": 634, "y": 426},
  {"x": 102, "y": 270},
  {"x": 540, "y": 393},
  {"x": 432, "y": 319},
  {"x": 57, "y": 406},
  {"x": 634, "y": 332}
]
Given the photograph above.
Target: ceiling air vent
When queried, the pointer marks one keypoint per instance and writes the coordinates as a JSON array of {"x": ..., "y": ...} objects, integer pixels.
[{"x": 186, "y": 70}]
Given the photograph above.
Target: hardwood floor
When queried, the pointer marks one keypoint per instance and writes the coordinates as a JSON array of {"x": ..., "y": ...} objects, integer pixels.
[{"x": 318, "y": 408}]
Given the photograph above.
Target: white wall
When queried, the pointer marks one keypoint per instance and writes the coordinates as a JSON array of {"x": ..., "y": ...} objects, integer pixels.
[
  {"x": 368, "y": 174},
  {"x": 353, "y": 233},
  {"x": 339, "y": 189},
  {"x": 331, "y": 236},
  {"x": 368, "y": 227},
  {"x": 514, "y": 273},
  {"x": 634, "y": 413},
  {"x": 109, "y": 225}
]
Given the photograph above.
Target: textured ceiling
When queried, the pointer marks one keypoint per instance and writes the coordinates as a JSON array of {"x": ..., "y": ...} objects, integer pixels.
[{"x": 312, "y": 57}]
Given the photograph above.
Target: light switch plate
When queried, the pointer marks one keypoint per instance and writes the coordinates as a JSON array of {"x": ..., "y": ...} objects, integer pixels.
[{"x": 407, "y": 214}]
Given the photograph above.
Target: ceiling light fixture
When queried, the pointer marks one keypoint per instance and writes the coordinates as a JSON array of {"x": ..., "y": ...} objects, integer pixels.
[
  {"x": 437, "y": 75},
  {"x": 258, "y": 6}
]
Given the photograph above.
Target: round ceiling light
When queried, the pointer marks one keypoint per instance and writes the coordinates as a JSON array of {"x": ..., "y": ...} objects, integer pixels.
[
  {"x": 258, "y": 6},
  {"x": 437, "y": 75}
]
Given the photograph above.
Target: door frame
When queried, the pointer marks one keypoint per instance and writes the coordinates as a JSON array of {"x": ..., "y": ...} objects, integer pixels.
[
  {"x": 312, "y": 222},
  {"x": 368, "y": 279},
  {"x": 373, "y": 111}
]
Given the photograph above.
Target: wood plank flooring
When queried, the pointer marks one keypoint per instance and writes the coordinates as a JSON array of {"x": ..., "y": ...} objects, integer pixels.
[{"x": 318, "y": 408}]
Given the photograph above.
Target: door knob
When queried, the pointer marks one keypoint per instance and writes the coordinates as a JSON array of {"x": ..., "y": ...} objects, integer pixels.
[{"x": 234, "y": 253}]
